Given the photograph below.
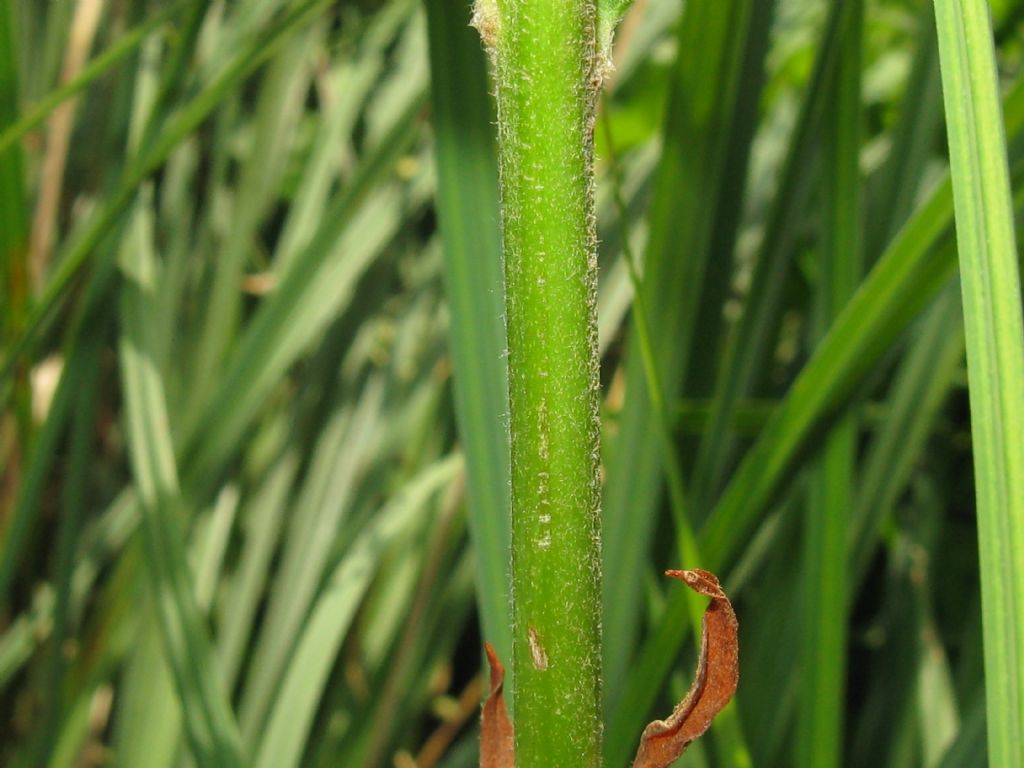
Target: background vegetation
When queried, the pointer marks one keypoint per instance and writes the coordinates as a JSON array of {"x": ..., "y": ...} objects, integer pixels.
[{"x": 254, "y": 490}]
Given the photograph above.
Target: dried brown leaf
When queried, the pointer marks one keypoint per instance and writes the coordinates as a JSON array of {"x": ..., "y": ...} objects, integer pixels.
[
  {"x": 718, "y": 673},
  {"x": 497, "y": 747}
]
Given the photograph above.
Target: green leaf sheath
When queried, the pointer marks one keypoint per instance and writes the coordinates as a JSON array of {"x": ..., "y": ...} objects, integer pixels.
[
  {"x": 609, "y": 13},
  {"x": 990, "y": 283},
  {"x": 546, "y": 75}
]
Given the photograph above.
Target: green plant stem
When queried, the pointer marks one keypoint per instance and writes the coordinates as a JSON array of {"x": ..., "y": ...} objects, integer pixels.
[
  {"x": 546, "y": 74},
  {"x": 990, "y": 284}
]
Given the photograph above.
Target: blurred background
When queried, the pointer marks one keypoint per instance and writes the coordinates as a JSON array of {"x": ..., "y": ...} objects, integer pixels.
[{"x": 254, "y": 493}]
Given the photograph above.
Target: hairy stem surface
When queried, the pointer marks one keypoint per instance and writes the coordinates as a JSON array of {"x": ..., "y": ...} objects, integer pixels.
[{"x": 546, "y": 73}]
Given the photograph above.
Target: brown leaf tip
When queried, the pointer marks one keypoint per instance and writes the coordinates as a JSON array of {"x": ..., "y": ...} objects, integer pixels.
[
  {"x": 700, "y": 581},
  {"x": 714, "y": 684},
  {"x": 497, "y": 669}
]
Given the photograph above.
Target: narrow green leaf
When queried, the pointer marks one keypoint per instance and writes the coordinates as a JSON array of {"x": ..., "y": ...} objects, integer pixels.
[
  {"x": 704, "y": 84},
  {"x": 294, "y": 707},
  {"x": 467, "y": 201},
  {"x": 148, "y": 723},
  {"x": 209, "y": 722},
  {"x": 898, "y": 183},
  {"x": 83, "y": 378},
  {"x": 727, "y": 730},
  {"x": 819, "y": 736},
  {"x": 77, "y": 253},
  {"x": 285, "y": 86},
  {"x": 935, "y": 346},
  {"x": 750, "y": 340},
  {"x": 14, "y": 260},
  {"x": 13, "y": 202},
  {"x": 897, "y": 293},
  {"x": 926, "y": 375},
  {"x": 20, "y": 640},
  {"x": 99, "y": 66},
  {"x": 937, "y": 705},
  {"x": 885, "y": 728},
  {"x": 37, "y": 468},
  {"x": 991, "y": 287},
  {"x": 968, "y": 750},
  {"x": 316, "y": 286},
  {"x": 340, "y": 458},
  {"x": 266, "y": 514},
  {"x": 913, "y": 269}
]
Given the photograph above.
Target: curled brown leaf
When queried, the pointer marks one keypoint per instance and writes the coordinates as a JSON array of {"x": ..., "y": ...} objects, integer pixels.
[
  {"x": 718, "y": 673},
  {"x": 497, "y": 747}
]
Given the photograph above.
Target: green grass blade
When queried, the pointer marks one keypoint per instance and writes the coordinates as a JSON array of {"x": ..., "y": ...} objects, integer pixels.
[
  {"x": 898, "y": 183},
  {"x": 209, "y": 723},
  {"x": 318, "y": 284},
  {"x": 704, "y": 83},
  {"x": 148, "y": 732},
  {"x": 419, "y": 615},
  {"x": 738, "y": 184},
  {"x": 20, "y": 639},
  {"x": 991, "y": 287},
  {"x": 84, "y": 379},
  {"x": 771, "y": 630},
  {"x": 285, "y": 86},
  {"x": 98, "y": 67},
  {"x": 37, "y": 469},
  {"x": 352, "y": 84},
  {"x": 913, "y": 269},
  {"x": 893, "y": 294},
  {"x": 727, "y": 728},
  {"x": 467, "y": 202},
  {"x": 294, "y": 707},
  {"x": 749, "y": 342},
  {"x": 936, "y": 698},
  {"x": 927, "y": 370},
  {"x": 261, "y": 529},
  {"x": 968, "y": 750},
  {"x": 15, "y": 270},
  {"x": 341, "y": 457},
  {"x": 887, "y": 721},
  {"x": 922, "y": 384},
  {"x": 819, "y": 735},
  {"x": 13, "y": 203},
  {"x": 77, "y": 253}
]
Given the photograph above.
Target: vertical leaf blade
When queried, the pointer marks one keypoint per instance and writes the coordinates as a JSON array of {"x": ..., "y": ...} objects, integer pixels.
[
  {"x": 990, "y": 283},
  {"x": 711, "y": 37},
  {"x": 820, "y": 718},
  {"x": 467, "y": 202}
]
